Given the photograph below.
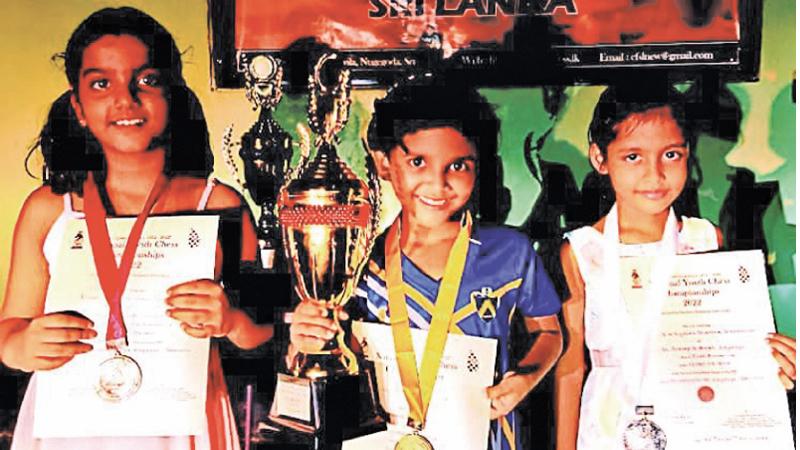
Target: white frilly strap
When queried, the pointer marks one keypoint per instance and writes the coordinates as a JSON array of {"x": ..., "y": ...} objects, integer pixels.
[{"x": 201, "y": 205}]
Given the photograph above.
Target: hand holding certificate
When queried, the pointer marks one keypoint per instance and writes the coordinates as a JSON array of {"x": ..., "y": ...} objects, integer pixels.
[
  {"x": 714, "y": 383},
  {"x": 417, "y": 387},
  {"x": 458, "y": 415},
  {"x": 157, "y": 386}
]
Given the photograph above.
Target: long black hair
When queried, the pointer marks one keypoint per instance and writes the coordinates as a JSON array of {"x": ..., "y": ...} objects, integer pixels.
[{"x": 70, "y": 150}]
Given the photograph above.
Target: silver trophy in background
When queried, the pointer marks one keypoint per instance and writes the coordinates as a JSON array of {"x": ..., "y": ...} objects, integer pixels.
[
  {"x": 265, "y": 150},
  {"x": 329, "y": 219}
]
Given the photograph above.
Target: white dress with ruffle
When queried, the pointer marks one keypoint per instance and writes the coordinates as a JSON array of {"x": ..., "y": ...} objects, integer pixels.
[
  {"x": 220, "y": 432},
  {"x": 606, "y": 402}
]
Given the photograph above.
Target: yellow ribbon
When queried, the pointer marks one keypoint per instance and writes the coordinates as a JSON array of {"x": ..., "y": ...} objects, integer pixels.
[{"x": 418, "y": 386}]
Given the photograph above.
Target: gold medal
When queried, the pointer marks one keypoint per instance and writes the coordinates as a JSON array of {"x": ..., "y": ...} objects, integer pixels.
[
  {"x": 413, "y": 441},
  {"x": 418, "y": 385}
]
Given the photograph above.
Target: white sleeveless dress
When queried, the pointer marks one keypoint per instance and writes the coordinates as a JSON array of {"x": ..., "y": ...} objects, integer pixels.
[
  {"x": 605, "y": 401},
  {"x": 220, "y": 432}
]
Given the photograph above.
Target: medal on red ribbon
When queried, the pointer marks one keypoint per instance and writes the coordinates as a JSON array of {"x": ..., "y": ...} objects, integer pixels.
[{"x": 119, "y": 376}]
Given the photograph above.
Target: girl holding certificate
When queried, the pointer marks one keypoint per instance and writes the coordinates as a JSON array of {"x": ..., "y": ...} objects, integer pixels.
[
  {"x": 127, "y": 139},
  {"x": 643, "y": 150}
]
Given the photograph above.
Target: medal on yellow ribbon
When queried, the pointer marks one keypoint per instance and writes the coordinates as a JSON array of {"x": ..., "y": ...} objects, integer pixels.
[
  {"x": 413, "y": 441},
  {"x": 418, "y": 385}
]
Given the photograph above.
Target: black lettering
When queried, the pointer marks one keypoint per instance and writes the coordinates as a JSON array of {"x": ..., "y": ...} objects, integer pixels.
[
  {"x": 379, "y": 11},
  {"x": 531, "y": 7},
  {"x": 507, "y": 6},
  {"x": 441, "y": 9},
  {"x": 476, "y": 5},
  {"x": 568, "y": 5}
]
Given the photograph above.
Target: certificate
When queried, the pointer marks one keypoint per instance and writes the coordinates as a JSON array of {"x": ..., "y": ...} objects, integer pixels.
[
  {"x": 171, "y": 396},
  {"x": 716, "y": 383},
  {"x": 458, "y": 417}
]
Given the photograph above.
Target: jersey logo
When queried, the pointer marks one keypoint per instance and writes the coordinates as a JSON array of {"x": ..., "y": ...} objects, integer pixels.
[{"x": 486, "y": 303}]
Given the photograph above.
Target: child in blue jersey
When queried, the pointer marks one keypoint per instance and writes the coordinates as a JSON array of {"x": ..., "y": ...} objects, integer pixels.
[{"x": 426, "y": 139}]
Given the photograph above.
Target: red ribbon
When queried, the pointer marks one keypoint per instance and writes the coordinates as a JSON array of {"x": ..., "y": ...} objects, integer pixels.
[{"x": 113, "y": 278}]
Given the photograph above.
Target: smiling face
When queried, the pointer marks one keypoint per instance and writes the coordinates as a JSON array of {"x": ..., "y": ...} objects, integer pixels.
[
  {"x": 432, "y": 173},
  {"x": 119, "y": 96},
  {"x": 647, "y": 161}
]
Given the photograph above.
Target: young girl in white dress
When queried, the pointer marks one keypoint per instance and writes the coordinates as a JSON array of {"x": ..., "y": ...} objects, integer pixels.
[
  {"x": 643, "y": 150},
  {"x": 130, "y": 119}
]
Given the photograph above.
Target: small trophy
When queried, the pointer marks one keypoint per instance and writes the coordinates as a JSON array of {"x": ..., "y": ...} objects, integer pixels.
[
  {"x": 329, "y": 219},
  {"x": 265, "y": 149}
]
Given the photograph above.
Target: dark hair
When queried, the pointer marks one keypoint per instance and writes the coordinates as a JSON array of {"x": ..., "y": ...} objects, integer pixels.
[
  {"x": 618, "y": 103},
  {"x": 428, "y": 101},
  {"x": 431, "y": 101},
  {"x": 70, "y": 150}
]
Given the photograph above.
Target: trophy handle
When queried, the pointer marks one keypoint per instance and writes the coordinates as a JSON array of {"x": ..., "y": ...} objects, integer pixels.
[
  {"x": 332, "y": 119},
  {"x": 374, "y": 184},
  {"x": 229, "y": 148},
  {"x": 348, "y": 357},
  {"x": 305, "y": 153}
]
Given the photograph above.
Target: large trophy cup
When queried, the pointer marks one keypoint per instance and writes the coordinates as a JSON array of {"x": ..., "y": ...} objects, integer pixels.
[
  {"x": 329, "y": 219},
  {"x": 265, "y": 150}
]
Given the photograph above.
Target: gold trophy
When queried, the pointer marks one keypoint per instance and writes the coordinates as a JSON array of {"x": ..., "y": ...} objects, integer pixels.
[{"x": 329, "y": 219}]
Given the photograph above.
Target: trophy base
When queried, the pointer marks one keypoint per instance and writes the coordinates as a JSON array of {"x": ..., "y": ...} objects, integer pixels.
[{"x": 325, "y": 411}]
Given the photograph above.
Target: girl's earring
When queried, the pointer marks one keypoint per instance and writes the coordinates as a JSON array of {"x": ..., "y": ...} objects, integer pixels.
[{"x": 82, "y": 123}]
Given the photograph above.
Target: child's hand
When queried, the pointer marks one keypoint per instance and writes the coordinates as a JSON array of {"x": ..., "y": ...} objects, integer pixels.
[
  {"x": 48, "y": 342},
  {"x": 784, "y": 350},
  {"x": 311, "y": 328},
  {"x": 202, "y": 308},
  {"x": 507, "y": 394}
]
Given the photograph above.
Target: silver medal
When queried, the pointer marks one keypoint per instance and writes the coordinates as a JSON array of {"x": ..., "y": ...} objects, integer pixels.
[
  {"x": 120, "y": 378},
  {"x": 644, "y": 434}
]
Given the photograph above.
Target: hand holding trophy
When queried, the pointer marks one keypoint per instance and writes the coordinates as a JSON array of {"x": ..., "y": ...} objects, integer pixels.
[
  {"x": 265, "y": 149},
  {"x": 329, "y": 220}
]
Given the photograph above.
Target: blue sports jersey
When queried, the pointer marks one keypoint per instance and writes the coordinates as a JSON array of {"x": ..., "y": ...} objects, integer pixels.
[{"x": 503, "y": 276}]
